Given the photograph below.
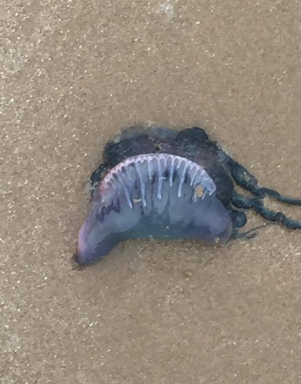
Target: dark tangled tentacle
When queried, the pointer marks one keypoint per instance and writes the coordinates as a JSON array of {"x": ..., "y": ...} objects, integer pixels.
[
  {"x": 96, "y": 177},
  {"x": 249, "y": 182},
  {"x": 257, "y": 205},
  {"x": 239, "y": 220}
]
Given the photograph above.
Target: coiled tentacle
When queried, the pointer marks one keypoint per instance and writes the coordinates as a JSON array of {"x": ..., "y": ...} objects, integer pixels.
[
  {"x": 249, "y": 182},
  {"x": 257, "y": 205}
]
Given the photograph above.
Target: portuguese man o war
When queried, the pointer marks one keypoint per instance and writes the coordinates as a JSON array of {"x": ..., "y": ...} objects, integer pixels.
[{"x": 165, "y": 184}]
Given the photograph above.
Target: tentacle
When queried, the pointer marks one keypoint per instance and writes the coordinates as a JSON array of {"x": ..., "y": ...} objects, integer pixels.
[
  {"x": 246, "y": 180},
  {"x": 244, "y": 235},
  {"x": 97, "y": 174},
  {"x": 194, "y": 134},
  {"x": 96, "y": 177},
  {"x": 248, "y": 234},
  {"x": 239, "y": 219},
  {"x": 257, "y": 205}
]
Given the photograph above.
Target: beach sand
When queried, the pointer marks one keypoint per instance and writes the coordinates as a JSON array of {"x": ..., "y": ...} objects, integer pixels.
[{"x": 73, "y": 73}]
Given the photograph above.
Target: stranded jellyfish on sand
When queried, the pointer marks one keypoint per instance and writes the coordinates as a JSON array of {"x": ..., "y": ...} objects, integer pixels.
[{"x": 165, "y": 184}]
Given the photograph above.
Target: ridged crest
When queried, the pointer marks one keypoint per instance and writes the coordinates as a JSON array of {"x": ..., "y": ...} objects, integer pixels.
[{"x": 153, "y": 179}]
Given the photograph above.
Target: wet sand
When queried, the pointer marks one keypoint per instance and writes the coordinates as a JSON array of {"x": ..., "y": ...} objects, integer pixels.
[{"x": 73, "y": 73}]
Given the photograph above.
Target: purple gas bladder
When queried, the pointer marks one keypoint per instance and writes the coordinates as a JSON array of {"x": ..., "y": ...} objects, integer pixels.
[{"x": 161, "y": 196}]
